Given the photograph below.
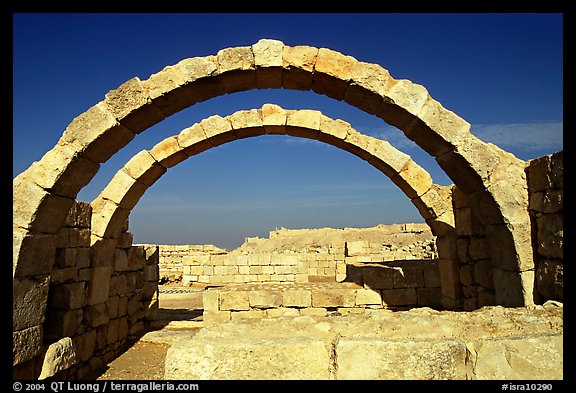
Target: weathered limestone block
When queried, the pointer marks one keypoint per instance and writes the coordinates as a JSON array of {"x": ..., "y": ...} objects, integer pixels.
[
  {"x": 388, "y": 159},
  {"x": 273, "y": 119},
  {"x": 96, "y": 133},
  {"x": 429, "y": 296},
  {"x": 265, "y": 298},
  {"x": 33, "y": 253},
  {"x": 26, "y": 344},
  {"x": 368, "y": 296},
  {"x": 214, "y": 317},
  {"x": 369, "y": 85},
  {"x": 518, "y": 358},
  {"x": 438, "y": 129},
  {"x": 84, "y": 345},
  {"x": 187, "y": 82},
  {"x": 303, "y": 123},
  {"x": 108, "y": 219},
  {"x": 123, "y": 190},
  {"x": 357, "y": 248},
  {"x": 29, "y": 297},
  {"x": 63, "y": 171},
  {"x": 402, "y": 101},
  {"x": 510, "y": 246},
  {"x": 36, "y": 209},
  {"x": 60, "y": 355},
  {"x": 210, "y": 358},
  {"x": 409, "y": 277},
  {"x": 234, "y": 301},
  {"x": 332, "y": 72},
  {"x": 328, "y": 297},
  {"x": 168, "y": 152},
  {"x": 131, "y": 105},
  {"x": 297, "y": 297},
  {"x": 68, "y": 296},
  {"x": 298, "y": 65},
  {"x": 99, "y": 285},
  {"x": 539, "y": 173},
  {"x": 369, "y": 358},
  {"x": 413, "y": 180},
  {"x": 247, "y": 123},
  {"x": 550, "y": 235},
  {"x": 378, "y": 277},
  {"x": 236, "y": 68},
  {"x": 218, "y": 130},
  {"x": 399, "y": 297},
  {"x": 144, "y": 168},
  {"x": 268, "y": 61},
  {"x": 193, "y": 140},
  {"x": 513, "y": 288},
  {"x": 210, "y": 300}
]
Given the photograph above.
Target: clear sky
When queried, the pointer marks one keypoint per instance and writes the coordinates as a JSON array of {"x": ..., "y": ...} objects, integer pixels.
[{"x": 503, "y": 73}]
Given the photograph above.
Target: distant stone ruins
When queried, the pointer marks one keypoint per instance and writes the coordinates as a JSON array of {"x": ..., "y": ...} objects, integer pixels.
[{"x": 82, "y": 292}]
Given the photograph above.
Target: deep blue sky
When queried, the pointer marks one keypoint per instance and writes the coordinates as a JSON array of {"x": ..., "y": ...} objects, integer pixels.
[{"x": 503, "y": 73}]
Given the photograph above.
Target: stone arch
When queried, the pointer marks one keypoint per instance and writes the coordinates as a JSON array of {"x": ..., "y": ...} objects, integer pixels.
[
  {"x": 490, "y": 179},
  {"x": 113, "y": 205}
]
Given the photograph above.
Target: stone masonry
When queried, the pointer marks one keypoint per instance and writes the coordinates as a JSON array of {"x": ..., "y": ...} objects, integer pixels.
[{"x": 498, "y": 227}]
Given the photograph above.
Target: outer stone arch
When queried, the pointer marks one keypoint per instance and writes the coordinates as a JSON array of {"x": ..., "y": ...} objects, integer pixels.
[{"x": 491, "y": 179}]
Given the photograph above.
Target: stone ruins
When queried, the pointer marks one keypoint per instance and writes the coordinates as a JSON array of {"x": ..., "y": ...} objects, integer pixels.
[{"x": 82, "y": 292}]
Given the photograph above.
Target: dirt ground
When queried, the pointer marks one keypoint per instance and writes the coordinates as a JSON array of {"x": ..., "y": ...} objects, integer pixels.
[{"x": 180, "y": 314}]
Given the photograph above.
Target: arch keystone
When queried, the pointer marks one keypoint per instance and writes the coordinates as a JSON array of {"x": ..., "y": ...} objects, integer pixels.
[
  {"x": 273, "y": 119},
  {"x": 268, "y": 62}
]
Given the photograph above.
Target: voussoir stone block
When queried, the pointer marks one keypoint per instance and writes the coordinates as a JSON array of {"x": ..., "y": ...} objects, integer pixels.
[
  {"x": 369, "y": 84},
  {"x": 332, "y": 72},
  {"x": 247, "y": 123},
  {"x": 236, "y": 68},
  {"x": 218, "y": 130},
  {"x": 96, "y": 133},
  {"x": 131, "y": 105},
  {"x": 168, "y": 152},
  {"x": 298, "y": 65},
  {"x": 144, "y": 168}
]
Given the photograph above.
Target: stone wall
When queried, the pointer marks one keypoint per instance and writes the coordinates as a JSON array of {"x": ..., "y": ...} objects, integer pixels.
[
  {"x": 93, "y": 312},
  {"x": 396, "y": 285},
  {"x": 208, "y": 264},
  {"x": 546, "y": 189}
]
